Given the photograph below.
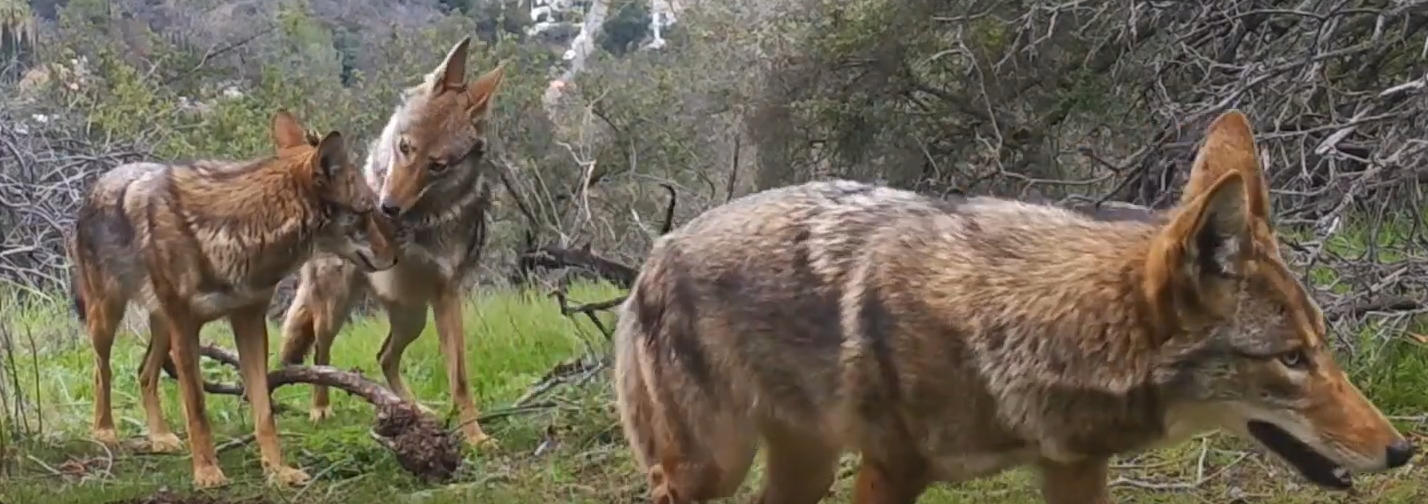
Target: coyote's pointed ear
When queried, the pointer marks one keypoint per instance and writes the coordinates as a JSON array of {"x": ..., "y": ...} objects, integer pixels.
[
  {"x": 1229, "y": 147},
  {"x": 1218, "y": 242},
  {"x": 331, "y": 155},
  {"x": 483, "y": 90},
  {"x": 287, "y": 131},
  {"x": 1204, "y": 250},
  {"x": 451, "y": 74}
]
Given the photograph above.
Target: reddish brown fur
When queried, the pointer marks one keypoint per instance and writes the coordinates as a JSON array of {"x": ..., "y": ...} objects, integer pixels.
[
  {"x": 949, "y": 340},
  {"x": 195, "y": 243},
  {"x": 428, "y": 167}
]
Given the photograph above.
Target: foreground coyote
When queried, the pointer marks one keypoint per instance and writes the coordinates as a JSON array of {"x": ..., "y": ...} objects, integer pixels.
[
  {"x": 428, "y": 167},
  {"x": 211, "y": 239},
  {"x": 949, "y": 340}
]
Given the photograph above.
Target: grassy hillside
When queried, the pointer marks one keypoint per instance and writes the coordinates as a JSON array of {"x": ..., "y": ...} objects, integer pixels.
[{"x": 567, "y": 448}]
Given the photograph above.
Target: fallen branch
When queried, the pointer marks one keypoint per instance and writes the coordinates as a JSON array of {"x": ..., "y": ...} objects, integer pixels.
[
  {"x": 419, "y": 442},
  {"x": 589, "y": 309},
  {"x": 215, "y": 388},
  {"x": 1365, "y": 308},
  {"x": 573, "y": 372},
  {"x": 551, "y": 257}
]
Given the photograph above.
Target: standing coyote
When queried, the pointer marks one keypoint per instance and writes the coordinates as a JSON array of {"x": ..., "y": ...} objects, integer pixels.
[
  {"x": 428, "y": 167},
  {"x": 950, "y": 340},
  {"x": 197, "y": 242}
]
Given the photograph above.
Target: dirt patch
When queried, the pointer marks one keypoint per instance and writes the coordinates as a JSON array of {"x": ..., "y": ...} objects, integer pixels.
[{"x": 173, "y": 498}]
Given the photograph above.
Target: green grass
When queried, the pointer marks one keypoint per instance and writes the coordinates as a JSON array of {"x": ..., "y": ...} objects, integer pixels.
[{"x": 513, "y": 338}]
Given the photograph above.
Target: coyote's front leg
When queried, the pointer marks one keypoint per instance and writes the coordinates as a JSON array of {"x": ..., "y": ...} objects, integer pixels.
[
  {"x": 447, "y": 308},
  {"x": 250, "y": 331}
]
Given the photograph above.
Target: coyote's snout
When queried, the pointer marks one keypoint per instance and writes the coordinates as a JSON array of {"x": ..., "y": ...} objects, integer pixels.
[
  {"x": 197, "y": 242},
  {"x": 952, "y": 339},
  {"x": 428, "y": 145},
  {"x": 1301, "y": 407},
  {"x": 1264, "y": 367}
]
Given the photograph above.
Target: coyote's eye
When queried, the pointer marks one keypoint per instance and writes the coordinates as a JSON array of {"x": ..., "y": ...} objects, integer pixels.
[
  {"x": 404, "y": 146},
  {"x": 1294, "y": 359}
]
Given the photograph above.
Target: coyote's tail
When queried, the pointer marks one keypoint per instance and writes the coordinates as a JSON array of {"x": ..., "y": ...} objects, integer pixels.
[
  {"x": 76, "y": 295},
  {"x": 689, "y": 437},
  {"x": 76, "y": 291},
  {"x": 299, "y": 332},
  {"x": 635, "y": 403}
]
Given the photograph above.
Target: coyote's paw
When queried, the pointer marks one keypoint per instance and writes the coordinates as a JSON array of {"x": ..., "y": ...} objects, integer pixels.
[
  {"x": 289, "y": 476},
  {"x": 320, "y": 413},
  {"x": 660, "y": 490},
  {"x": 166, "y": 442},
  {"x": 481, "y": 441},
  {"x": 208, "y": 477},
  {"x": 107, "y": 437}
]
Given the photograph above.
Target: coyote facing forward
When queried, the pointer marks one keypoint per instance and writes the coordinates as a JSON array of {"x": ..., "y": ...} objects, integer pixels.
[
  {"x": 428, "y": 167},
  {"x": 211, "y": 239},
  {"x": 949, "y": 340}
]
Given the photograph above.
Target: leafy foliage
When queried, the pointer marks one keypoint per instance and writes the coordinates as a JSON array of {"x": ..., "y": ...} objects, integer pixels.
[{"x": 626, "y": 27}]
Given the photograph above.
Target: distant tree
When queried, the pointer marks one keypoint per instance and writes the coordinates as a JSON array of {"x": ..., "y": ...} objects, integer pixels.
[
  {"x": 47, "y": 10},
  {"x": 462, "y": 6},
  {"x": 347, "y": 44},
  {"x": 495, "y": 18},
  {"x": 625, "y": 27},
  {"x": 18, "y": 35}
]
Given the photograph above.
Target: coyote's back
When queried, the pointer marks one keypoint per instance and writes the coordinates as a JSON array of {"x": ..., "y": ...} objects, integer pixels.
[
  {"x": 105, "y": 230},
  {"x": 951, "y": 339}
]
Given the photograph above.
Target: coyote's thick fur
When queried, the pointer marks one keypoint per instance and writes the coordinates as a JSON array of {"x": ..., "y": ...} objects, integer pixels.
[
  {"x": 952, "y": 339},
  {"x": 428, "y": 167},
  {"x": 197, "y": 242}
]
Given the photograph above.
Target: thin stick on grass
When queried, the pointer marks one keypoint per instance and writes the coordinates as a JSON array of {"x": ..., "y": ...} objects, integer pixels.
[{"x": 35, "y": 365}]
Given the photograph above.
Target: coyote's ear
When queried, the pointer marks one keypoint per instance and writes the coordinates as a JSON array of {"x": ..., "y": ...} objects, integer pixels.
[
  {"x": 1218, "y": 242},
  {"x": 451, "y": 74},
  {"x": 483, "y": 90},
  {"x": 1229, "y": 147},
  {"x": 287, "y": 131},
  {"x": 331, "y": 155},
  {"x": 1204, "y": 250}
]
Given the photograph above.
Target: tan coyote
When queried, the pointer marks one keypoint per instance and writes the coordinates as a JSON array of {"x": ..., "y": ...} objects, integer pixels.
[
  {"x": 428, "y": 167},
  {"x": 947, "y": 340}
]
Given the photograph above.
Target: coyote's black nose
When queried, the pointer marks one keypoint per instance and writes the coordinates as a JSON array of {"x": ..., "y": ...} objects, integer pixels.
[
  {"x": 390, "y": 209},
  {"x": 1399, "y": 453}
]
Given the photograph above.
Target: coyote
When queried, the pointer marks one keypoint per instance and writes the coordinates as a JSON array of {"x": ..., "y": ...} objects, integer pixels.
[
  {"x": 947, "y": 340},
  {"x": 193, "y": 243},
  {"x": 428, "y": 167}
]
